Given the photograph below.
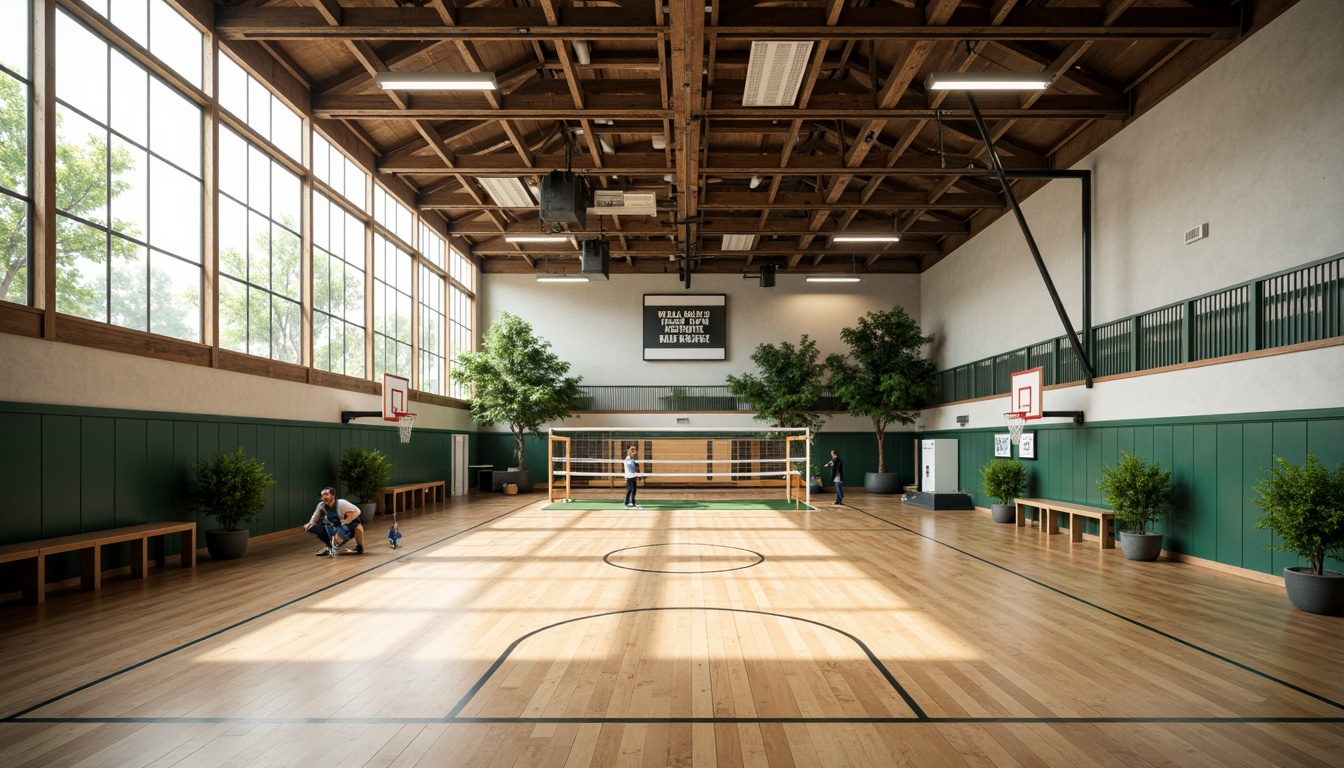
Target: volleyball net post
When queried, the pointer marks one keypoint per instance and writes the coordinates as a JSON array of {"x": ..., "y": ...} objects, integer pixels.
[{"x": 587, "y": 463}]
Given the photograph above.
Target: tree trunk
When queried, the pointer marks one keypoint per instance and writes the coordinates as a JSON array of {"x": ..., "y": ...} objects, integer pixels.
[
  {"x": 518, "y": 437},
  {"x": 881, "y": 430}
]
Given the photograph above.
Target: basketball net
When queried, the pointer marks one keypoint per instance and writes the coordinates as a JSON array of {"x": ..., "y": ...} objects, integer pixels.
[
  {"x": 1015, "y": 423},
  {"x": 405, "y": 421}
]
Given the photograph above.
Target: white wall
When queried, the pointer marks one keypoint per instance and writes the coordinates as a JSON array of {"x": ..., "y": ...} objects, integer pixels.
[
  {"x": 1251, "y": 146},
  {"x": 597, "y": 326},
  {"x": 38, "y": 371}
]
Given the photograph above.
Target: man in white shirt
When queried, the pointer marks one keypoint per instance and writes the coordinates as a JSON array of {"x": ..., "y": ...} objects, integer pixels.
[
  {"x": 335, "y": 521},
  {"x": 631, "y": 478}
]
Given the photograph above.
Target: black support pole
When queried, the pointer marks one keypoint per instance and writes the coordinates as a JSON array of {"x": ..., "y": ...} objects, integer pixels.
[{"x": 997, "y": 166}]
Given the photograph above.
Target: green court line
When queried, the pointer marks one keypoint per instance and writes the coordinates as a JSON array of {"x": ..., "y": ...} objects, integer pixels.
[{"x": 725, "y": 505}]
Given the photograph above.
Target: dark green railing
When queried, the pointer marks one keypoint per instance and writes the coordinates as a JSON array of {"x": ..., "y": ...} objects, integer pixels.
[
  {"x": 1290, "y": 307},
  {"x": 672, "y": 399}
]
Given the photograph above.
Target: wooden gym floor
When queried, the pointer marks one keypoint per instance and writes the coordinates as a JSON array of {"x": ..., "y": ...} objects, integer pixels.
[{"x": 505, "y": 635}]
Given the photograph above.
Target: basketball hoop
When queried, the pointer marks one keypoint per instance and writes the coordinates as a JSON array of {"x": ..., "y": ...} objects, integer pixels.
[
  {"x": 1015, "y": 423},
  {"x": 407, "y": 420}
]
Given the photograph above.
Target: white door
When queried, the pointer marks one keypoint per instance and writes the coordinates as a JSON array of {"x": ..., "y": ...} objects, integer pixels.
[{"x": 459, "y": 465}]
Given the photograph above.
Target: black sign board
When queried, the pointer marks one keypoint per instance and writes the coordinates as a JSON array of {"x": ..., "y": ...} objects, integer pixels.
[{"x": 685, "y": 327}]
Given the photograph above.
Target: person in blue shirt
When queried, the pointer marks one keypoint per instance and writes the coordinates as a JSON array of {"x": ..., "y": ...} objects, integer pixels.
[{"x": 631, "y": 478}]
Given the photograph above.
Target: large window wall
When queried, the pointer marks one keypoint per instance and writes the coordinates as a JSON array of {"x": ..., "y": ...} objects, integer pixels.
[
  {"x": 310, "y": 262},
  {"x": 15, "y": 201},
  {"x": 128, "y": 188}
]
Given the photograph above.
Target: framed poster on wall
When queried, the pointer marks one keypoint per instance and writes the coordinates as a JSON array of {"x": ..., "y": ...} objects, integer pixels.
[
  {"x": 685, "y": 326},
  {"x": 1003, "y": 446},
  {"x": 1026, "y": 447}
]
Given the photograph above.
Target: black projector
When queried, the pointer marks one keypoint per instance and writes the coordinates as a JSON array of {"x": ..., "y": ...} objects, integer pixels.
[
  {"x": 595, "y": 258},
  {"x": 564, "y": 199}
]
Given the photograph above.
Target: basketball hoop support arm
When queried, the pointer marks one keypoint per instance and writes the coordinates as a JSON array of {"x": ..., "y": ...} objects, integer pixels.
[
  {"x": 348, "y": 416},
  {"x": 997, "y": 168},
  {"x": 1077, "y": 416}
]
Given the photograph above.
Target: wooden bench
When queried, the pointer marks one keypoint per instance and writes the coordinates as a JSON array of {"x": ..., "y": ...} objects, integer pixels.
[
  {"x": 33, "y": 554},
  {"x": 397, "y": 498},
  {"x": 1076, "y": 512}
]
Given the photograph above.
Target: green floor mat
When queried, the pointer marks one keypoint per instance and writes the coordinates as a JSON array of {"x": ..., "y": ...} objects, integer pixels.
[{"x": 725, "y": 505}]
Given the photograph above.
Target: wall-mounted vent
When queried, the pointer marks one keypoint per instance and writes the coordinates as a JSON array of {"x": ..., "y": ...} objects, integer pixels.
[
  {"x": 774, "y": 72},
  {"x": 1198, "y": 233}
]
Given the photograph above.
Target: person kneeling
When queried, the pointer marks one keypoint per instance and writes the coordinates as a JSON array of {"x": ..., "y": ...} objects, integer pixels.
[{"x": 335, "y": 522}]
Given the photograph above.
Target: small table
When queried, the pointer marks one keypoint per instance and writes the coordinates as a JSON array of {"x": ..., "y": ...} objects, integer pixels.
[{"x": 484, "y": 475}]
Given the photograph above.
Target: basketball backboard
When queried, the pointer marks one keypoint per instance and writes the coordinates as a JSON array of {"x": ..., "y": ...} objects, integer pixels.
[
  {"x": 396, "y": 396},
  {"x": 1024, "y": 393}
]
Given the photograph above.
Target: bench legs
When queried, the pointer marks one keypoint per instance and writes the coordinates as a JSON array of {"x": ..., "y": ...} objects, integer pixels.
[
  {"x": 1048, "y": 522},
  {"x": 34, "y": 579}
]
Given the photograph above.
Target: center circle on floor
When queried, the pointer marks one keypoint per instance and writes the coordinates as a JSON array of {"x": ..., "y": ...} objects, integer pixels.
[{"x": 683, "y": 558}]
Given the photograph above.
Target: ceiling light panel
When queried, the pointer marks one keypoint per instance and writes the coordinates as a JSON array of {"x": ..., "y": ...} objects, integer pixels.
[
  {"x": 988, "y": 81},
  {"x": 738, "y": 242},
  {"x": 507, "y": 192},
  {"x": 851, "y": 237},
  {"x": 775, "y": 71},
  {"x": 436, "y": 81}
]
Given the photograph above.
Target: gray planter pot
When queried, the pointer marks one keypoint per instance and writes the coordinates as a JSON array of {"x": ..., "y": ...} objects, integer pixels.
[
  {"x": 226, "y": 545},
  {"x": 367, "y": 511},
  {"x": 1141, "y": 546},
  {"x": 1308, "y": 592},
  {"x": 882, "y": 482},
  {"x": 1003, "y": 513}
]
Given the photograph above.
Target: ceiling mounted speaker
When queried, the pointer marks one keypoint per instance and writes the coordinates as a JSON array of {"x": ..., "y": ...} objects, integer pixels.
[
  {"x": 564, "y": 199},
  {"x": 595, "y": 258}
]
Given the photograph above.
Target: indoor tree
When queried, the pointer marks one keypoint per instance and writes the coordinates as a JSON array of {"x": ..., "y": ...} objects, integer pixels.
[
  {"x": 885, "y": 376},
  {"x": 516, "y": 380},
  {"x": 787, "y": 387}
]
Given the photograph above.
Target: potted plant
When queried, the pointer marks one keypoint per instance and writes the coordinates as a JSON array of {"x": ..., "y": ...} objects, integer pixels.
[
  {"x": 516, "y": 380},
  {"x": 1304, "y": 508},
  {"x": 1138, "y": 492},
  {"x": 231, "y": 488},
  {"x": 365, "y": 474},
  {"x": 816, "y": 479},
  {"x": 1005, "y": 480},
  {"x": 884, "y": 377}
]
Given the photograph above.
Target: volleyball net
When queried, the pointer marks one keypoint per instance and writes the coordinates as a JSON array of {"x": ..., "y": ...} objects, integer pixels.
[{"x": 748, "y": 464}]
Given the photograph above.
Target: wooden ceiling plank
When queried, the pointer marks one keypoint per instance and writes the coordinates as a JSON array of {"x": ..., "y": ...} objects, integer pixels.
[{"x": 800, "y": 23}]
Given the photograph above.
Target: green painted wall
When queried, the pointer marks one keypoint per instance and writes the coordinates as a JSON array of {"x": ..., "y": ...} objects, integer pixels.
[
  {"x": 1214, "y": 461},
  {"x": 70, "y": 470}
]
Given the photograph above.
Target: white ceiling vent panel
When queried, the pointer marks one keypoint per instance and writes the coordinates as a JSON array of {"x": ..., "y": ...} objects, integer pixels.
[
  {"x": 738, "y": 242},
  {"x": 774, "y": 72},
  {"x": 507, "y": 192}
]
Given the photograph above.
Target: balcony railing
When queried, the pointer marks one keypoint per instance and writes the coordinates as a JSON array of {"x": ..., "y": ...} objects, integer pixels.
[
  {"x": 1291, "y": 307},
  {"x": 716, "y": 398}
]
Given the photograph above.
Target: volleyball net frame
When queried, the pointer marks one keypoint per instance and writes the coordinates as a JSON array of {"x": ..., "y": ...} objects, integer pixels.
[{"x": 589, "y": 461}]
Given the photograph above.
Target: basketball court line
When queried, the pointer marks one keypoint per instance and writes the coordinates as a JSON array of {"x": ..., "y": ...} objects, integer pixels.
[
  {"x": 1109, "y": 612},
  {"x": 452, "y": 718},
  {"x": 14, "y": 717}
]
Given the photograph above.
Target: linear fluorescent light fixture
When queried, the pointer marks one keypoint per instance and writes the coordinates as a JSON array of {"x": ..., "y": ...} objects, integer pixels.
[
  {"x": 436, "y": 81},
  {"x": 562, "y": 278},
  {"x": 841, "y": 237},
  {"x": 507, "y": 192},
  {"x": 536, "y": 238},
  {"x": 988, "y": 81},
  {"x": 832, "y": 279}
]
